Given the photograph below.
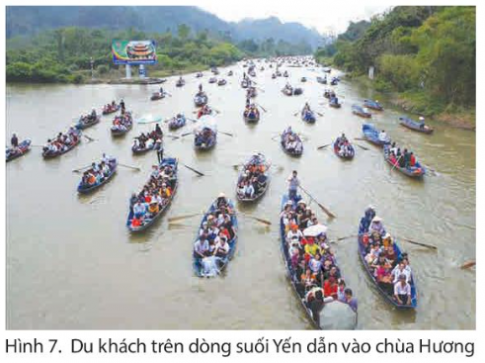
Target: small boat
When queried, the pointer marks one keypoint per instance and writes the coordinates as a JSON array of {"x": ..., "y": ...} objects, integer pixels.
[
  {"x": 199, "y": 75},
  {"x": 172, "y": 182},
  {"x": 303, "y": 79},
  {"x": 205, "y": 133},
  {"x": 251, "y": 92},
  {"x": 122, "y": 124},
  {"x": 180, "y": 82},
  {"x": 48, "y": 154},
  {"x": 371, "y": 134},
  {"x": 327, "y": 69},
  {"x": 87, "y": 121},
  {"x": 334, "y": 82},
  {"x": 322, "y": 80},
  {"x": 308, "y": 116},
  {"x": 177, "y": 122},
  {"x": 245, "y": 83},
  {"x": 417, "y": 171},
  {"x": 360, "y": 111},
  {"x": 297, "y": 91},
  {"x": 334, "y": 103},
  {"x": 347, "y": 153},
  {"x": 273, "y": 76},
  {"x": 259, "y": 161},
  {"x": 252, "y": 73},
  {"x": 287, "y": 91},
  {"x": 230, "y": 73},
  {"x": 138, "y": 150},
  {"x": 107, "y": 109},
  {"x": 221, "y": 263},
  {"x": 222, "y": 82},
  {"x": 22, "y": 148},
  {"x": 291, "y": 142},
  {"x": 375, "y": 105},
  {"x": 363, "y": 252},
  {"x": 157, "y": 96},
  {"x": 295, "y": 280},
  {"x": 286, "y": 74},
  {"x": 415, "y": 125},
  {"x": 88, "y": 188},
  {"x": 213, "y": 80},
  {"x": 201, "y": 99},
  {"x": 251, "y": 115},
  {"x": 329, "y": 94}
]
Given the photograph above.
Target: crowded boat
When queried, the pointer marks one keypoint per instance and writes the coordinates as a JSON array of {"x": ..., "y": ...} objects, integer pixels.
[
  {"x": 343, "y": 148},
  {"x": 253, "y": 179},
  {"x": 62, "y": 143},
  {"x": 291, "y": 142},
  {"x": 98, "y": 174}
]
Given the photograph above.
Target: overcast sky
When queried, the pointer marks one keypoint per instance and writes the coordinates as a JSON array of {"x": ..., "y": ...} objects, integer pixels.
[{"x": 323, "y": 15}]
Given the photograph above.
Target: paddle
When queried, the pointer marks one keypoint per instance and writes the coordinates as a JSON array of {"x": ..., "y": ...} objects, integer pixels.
[
  {"x": 359, "y": 139},
  {"x": 397, "y": 162},
  {"x": 226, "y": 133},
  {"x": 262, "y": 107},
  {"x": 419, "y": 243},
  {"x": 362, "y": 147},
  {"x": 320, "y": 114},
  {"x": 468, "y": 264},
  {"x": 323, "y": 146},
  {"x": 172, "y": 219},
  {"x": 90, "y": 139},
  {"x": 186, "y": 134},
  {"x": 330, "y": 214},
  {"x": 79, "y": 169},
  {"x": 261, "y": 220},
  {"x": 195, "y": 171},
  {"x": 130, "y": 167}
]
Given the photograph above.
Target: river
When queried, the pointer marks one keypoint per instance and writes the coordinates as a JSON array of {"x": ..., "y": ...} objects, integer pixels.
[{"x": 72, "y": 264}]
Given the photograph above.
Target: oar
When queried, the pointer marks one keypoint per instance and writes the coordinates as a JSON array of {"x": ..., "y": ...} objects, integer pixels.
[
  {"x": 320, "y": 114},
  {"x": 130, "y": 167},
  {"x": 186, "y": 134},
  {"x": 419, "y": 243},
  {"x": 261, "y": 220},
  {"x": 172, "y": 219},
  {"x": 362, "y": 147},
  {"x": 191, "y": 119},
  {"x": 195, "y": 171},
  {"x": 468, "y": 264},
  {"x": 347, "y": 237},
  {"x": 226, "y": 133},
  {"x": 262, "y": 107},
  {"x": 397, "y": 162},
  {"x": 89, "y": 138},
  {"x": 79, "y": 169},
  {"x": 359, "y": 139},
  {"x": 330, "y": 214},
  {"x": 323, "y": 146}
]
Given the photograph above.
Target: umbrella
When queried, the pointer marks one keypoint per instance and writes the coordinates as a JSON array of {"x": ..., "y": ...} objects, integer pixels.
[
  {"x": 315, "y": 230},
  {"x": 337, "y": 315}
]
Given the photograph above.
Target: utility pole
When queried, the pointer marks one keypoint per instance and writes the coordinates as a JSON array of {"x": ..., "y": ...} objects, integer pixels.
[{"x": 92, "y": 68}]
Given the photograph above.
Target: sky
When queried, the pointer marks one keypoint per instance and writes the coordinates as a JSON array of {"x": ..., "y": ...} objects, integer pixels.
[{"x": 325, "y": 16}]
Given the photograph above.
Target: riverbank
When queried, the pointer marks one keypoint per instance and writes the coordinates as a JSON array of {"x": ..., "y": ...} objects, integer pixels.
[{"x": 421, "y": 104}]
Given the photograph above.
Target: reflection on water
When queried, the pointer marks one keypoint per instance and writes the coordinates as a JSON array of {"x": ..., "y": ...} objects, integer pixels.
[{"x": 71, "y": 263}]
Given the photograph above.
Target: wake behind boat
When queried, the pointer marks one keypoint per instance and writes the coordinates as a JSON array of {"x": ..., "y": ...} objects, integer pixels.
[{"x": 216, "y": 238}]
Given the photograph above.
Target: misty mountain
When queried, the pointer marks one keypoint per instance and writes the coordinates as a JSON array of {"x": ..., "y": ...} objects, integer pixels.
[{"x": 29, "y": 20}]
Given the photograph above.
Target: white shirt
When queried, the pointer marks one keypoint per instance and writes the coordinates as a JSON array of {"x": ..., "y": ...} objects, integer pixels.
[
  {"x": 294, "y": 236},
  {"x": 224, "y": 248},
  {"x": 396, "y": 272},
  {"x": 402, "y": 290}
]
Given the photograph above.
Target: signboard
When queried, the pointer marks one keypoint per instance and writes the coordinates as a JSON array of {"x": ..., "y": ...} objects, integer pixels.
[{"x": 134, "y": 52}]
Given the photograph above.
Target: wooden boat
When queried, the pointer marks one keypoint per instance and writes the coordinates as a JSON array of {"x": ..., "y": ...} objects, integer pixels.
[
  {"x": 86, "y": 122},
  {"x": 213, "y": 80},
  {"x": 251, "y": 116},
  {"x": 252, "y": 73},
  {"x": 329, "y": 94},
  {"x": 22, "y": 148},
  {"x": 334, "y": 82},
  {"x": 157, "y": 96},
  {"x": 137, "y": 150},
  {"x": 230, "y": 73},
  {"x": 334, "y": 103},
  {"x": 370, "y": 273},
  {"x": 285, "y": 144},
  {"x": 172, "y": 162},
  {"x": 222, "y": 82},
  {"x": 292, "y": 273},
  {"x": 273, "y": 76},
  {"x": 180, "y": 83},
  {"x": 322, "y": 80},
  {"x": 177, "y": 122},
  {"x": 286, "y": 74},
  {"x": 287, "y": 91},
  {"x": 297, "y": 91},
  {"x": 416, "y": 172},
  {"x": 303, "y": 79},
  {"x": 373, "y": 105},
  {"x": 47, "y": 154},
  {"x": 199, "y": 75},
  {"x": 327, "y": 69},
  {"x": 125, "y": 125},
  {"x": 360, "y": 111},
  {"x": 308, "y": 116},
  {"x": 350, "y": 151},
  {"x": 110, "y": 109},
  {"x": 259, "y": 160},
  {"x": 205, "y": 133},
  {"x": 415, "y": 125},
  {"x": 85, "y": 189},
  {"x": 222, "y": 263},
  {"x": 201, "y": 99},
  {"x": 244, "y": 83},
  {"x": 371, "y": 134}
]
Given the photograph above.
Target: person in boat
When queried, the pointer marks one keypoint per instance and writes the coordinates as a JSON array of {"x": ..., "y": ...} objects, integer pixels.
[
  {"x": 14, "y": 141},
  {"x": 200, "y": 89},
  {"x": 382, "y": 135},
  {"x": 161, "y": 91},
  {"x": 402, "y": 291},
  {"x": 123, "y": 109},
  {"x": 399, "y": 270},
  {"x": 140, "y": 209},
  {"x": 334, "y": 100},
  {"x": 93, "y": 115},
  {"x": 293, "y": 183},
  {"x": 201, "y": 247},
  {"x": 366, "y": 220},
  {"x": 377, "y": 226},
  {"x": 222, "y": 247},
  {"x": 349, "y": 299}
]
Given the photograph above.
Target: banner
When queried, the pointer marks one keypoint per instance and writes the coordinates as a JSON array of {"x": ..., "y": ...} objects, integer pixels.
[{"x": 134, "y": 52}]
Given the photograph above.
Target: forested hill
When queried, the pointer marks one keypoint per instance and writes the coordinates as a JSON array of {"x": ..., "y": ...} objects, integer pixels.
[
  {"x": 29, "y": 20},
  {"x": 426, "y": 54}
]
